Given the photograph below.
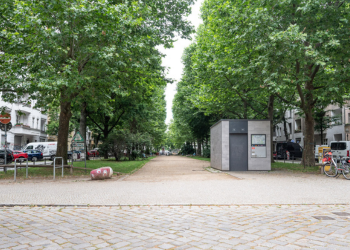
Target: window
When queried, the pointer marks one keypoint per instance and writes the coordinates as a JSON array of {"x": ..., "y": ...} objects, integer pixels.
[
  {"x": 297, "y": 125},
  {"x": 37, "y": 123},
  {"x": 338, "y": 146},
  {"x": 30, "y": 147},
  {"x": 17, "y": 119},
  {"x": 325, "y": 142},
  {"x": 33, "y": 122}
]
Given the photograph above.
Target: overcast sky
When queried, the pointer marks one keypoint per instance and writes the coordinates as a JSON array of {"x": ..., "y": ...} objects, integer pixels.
[{"x": 173, "y": 60}]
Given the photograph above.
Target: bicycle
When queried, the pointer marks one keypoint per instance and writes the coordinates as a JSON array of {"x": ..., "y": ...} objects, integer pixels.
[{"x": 332, "y": 169}]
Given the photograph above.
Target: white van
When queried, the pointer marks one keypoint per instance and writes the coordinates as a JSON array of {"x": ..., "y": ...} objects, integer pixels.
[
  {"x": 340, "y": 148},
  {"x": 48, "y": 148}
]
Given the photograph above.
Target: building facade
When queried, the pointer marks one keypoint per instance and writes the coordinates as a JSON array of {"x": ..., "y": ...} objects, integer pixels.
[
  {"x": 28, "y": 124},
  {"x": 339, "y": 128}
]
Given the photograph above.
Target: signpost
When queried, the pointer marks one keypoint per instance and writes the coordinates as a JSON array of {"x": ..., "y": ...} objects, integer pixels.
[
  {"x": 5, "y": 126},
  {"x": 79, "y": 144},
  {"x": 5, "y": 118}
]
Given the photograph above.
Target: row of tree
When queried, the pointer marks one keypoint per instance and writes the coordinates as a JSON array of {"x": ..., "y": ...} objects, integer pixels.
[
  {"x": 95, "y": 59},
  {"x": 255, "y": 59}
]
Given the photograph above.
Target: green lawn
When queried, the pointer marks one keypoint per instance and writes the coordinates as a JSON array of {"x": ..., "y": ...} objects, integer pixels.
[
  {"x": 294, "y": 167},
  {"x": 278, "y": 166},
  {"x": 124, "y": 167},
  {"x": 199, "y": 158}
]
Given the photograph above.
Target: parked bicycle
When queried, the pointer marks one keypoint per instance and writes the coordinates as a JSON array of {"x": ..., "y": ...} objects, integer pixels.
[{"x": 332, "y": 169}]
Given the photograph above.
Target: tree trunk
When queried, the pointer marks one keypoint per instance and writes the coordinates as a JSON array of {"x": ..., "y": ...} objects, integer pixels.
[
  {"x": 308, "y": 153},
  {"x": 82, "y": 126},
  {"x": 322, "y": 130},
  {"x": 63, "y": 128},
  {"x": 97, "y": 139},
  {"x": 199, "y": 149},
  {"x": 285, "y": 128},
  {"x": 270, "y": 113},
  {"x": 105, "y": 135},
  {"x": 245, "y": 115}
]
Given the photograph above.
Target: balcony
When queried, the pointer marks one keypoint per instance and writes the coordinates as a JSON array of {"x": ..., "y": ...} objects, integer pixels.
[
  {"x": 21, "y": 125},
  {"x": 25, "y": 130}
]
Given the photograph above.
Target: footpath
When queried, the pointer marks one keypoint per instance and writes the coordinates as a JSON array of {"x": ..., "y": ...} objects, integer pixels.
[{"x": 175, "y": 203}]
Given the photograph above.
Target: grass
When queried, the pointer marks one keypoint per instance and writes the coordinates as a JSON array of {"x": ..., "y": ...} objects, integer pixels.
[
  {"x": 124, "y": 167},
  {"x": 279, "y": 166},
  {"x": 199, "y": 158},
  {"x": 294, "y": 167}
]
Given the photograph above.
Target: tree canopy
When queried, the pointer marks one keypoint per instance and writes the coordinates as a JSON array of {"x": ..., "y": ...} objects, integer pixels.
[{"x": 253, "y": 57}]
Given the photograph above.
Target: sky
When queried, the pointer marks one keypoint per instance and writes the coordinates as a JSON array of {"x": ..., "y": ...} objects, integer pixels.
[{"x": 172, "y": 60}]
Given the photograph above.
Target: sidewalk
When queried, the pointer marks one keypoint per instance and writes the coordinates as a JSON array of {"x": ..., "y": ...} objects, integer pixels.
[{"x": 181, "y": 180}]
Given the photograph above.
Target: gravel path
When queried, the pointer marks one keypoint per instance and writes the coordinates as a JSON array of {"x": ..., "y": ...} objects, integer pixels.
[{"x": 181, "y": 180}]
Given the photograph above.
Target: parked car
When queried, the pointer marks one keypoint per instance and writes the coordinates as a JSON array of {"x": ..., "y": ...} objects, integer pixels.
[
  {"x": 47, "y": 148},
  {"x": 275, "y": 155},
  {"x": 34, "y": 155},
  {"x": 69, "y": 153},
  {"x": 19, "y": 155},
  {"x": 9, "y": 158},
  {"x": 93, "y": 153},
  {"x": 295, "y": 151}
]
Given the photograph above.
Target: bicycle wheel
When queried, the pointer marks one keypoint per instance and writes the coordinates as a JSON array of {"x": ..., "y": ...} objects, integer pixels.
[
  {"x": 330, "y": 169},
  {"x": 346, "y": 171}
]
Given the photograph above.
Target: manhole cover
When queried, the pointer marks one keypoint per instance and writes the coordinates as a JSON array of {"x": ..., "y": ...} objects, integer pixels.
[
  {"x": 323, "y": 217},
  {"x": 341, "y": 213}
]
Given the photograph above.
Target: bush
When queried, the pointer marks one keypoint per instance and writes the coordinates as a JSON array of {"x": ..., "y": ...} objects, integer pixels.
[
  {"x": 135, "y": 154},
  {"x": 206, "y": 152},
  {"x": 187, "y": 149}
]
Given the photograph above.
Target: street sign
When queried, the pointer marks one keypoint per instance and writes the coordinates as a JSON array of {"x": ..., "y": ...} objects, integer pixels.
[
  {"x": 8, "y": 126},
  {"x": 5, "y": 118},
  {"x": 77, "y": 137},
  {"x": 78, "y": 146}
]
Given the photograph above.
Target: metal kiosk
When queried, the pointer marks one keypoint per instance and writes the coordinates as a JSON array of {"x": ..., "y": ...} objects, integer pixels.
[{"x": 240, "y": 145}]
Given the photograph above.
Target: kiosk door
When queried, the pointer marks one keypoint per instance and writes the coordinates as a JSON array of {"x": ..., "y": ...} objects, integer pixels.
[{"x": 238, "y": 152}]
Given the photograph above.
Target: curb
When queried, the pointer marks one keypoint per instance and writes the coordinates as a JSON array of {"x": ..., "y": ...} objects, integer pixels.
[{"x": 168, "y": 205}]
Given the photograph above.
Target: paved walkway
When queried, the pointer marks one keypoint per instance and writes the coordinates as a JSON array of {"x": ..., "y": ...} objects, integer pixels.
[
  {"x": 178, "y": 180},
  {"x": 176, "y": 227},
  {"x": 168, "y": 180}
]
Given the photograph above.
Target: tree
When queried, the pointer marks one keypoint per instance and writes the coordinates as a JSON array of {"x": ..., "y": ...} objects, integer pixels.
[
  {"x": 78, "y": 47},
  {"x": 323, "y": 121},
  {"x": 280, "y": 47}
]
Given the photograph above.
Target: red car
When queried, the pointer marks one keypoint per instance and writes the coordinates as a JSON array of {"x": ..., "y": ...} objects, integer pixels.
[
  {"x": 20, "y": 155},
  {"x": 93, "y": 153}
]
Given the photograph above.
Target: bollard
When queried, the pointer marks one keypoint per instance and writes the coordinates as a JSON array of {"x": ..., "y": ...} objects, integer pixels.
[{"x": 54, "y": 166}]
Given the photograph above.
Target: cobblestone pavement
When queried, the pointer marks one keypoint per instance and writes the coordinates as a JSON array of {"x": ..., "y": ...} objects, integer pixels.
[{"x": 176, "y": 227}]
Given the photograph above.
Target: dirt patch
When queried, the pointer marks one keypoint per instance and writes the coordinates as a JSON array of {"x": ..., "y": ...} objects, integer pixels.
[{"x": 175, "y": 168}]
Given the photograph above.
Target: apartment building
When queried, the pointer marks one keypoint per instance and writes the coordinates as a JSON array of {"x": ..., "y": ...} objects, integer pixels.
[
  {"x": 28, "y": 124},
  {"x": 339, "y": 130}
]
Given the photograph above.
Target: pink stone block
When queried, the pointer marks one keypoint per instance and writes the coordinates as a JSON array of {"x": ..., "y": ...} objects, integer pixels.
[{"x": 101, "y": 173}]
